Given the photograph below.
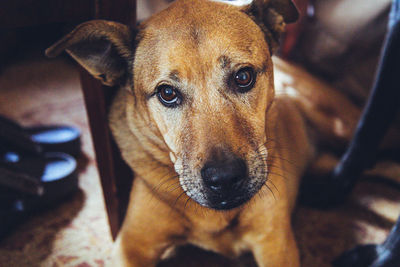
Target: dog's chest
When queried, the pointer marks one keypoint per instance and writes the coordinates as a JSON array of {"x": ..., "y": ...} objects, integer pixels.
[
  {"x": 219, "y": 234},
  {"x": 227, "y": 243}
]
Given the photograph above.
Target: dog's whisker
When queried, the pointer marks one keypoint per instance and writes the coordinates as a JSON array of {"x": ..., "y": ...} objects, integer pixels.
[
  {"x": 259, "y": 194},
  {"x": 155, "y": 191},
  {"x": 172, "y": 184},
  {"x": 166, "y": 177},
  {"x": 262, "y": 193},
  {"x": 272, "y": 183},
  {"x": 265, "y": 186},
  {"x": 186, "y": 203},
  {"x": 175, "y": 188},
  {"x": 289, "y": 149},
  {"x": 273, "y": 167},
  {"x": 177, "y": 199},
  {"x": 277, "y": 174},
  {"x": 286, "y": 160},
  {"x": 163, "y": 182}
]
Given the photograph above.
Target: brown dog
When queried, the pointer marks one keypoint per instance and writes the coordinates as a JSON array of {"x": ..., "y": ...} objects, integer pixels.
[{"x": 217, "y": 152}]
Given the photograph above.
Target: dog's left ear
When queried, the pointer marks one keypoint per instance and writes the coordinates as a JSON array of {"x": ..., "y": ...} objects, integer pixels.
[
  {"x": 271, "y": 15},
  {"x": 103, "y": 48}
]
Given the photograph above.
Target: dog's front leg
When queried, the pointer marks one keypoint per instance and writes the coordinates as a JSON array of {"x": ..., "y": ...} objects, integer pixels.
[
  {"x": 279, "y": 251},
  {"x": 271, "y": 239},
  {"x": 150, "y": 227}
]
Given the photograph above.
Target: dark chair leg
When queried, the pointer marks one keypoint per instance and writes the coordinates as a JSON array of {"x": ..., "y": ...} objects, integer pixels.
[
  {"x": 386, "y": 254},
  {"x": 378, "y": 115}
]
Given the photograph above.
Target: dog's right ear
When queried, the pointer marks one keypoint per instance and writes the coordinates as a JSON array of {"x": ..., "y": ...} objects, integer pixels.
[{"x": 103, "y": 48}]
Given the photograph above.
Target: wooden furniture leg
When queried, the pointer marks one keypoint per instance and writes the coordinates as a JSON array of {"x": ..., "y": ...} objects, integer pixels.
[{"x": 116, "y": 177}]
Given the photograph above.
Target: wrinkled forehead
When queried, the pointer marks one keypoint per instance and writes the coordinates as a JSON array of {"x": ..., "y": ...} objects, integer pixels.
[{"x": 202, "y": 33}]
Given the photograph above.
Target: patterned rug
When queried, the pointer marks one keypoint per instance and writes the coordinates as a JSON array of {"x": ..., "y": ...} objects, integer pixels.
[{"x": 76, "y": 233}]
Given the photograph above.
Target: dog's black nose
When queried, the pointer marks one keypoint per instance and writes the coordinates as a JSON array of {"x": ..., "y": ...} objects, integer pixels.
[{"x": 224, "y": 175}]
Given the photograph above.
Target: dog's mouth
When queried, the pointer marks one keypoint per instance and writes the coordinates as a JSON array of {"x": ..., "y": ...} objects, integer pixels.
[
  {"x": 225, "y": 184},
  {"x": 225, "y": 199},
  {"x": 228, "y": 202}
]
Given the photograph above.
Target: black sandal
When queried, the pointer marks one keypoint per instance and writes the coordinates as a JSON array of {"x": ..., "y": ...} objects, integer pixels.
[
  {"x": 32, "y": 176},
  {"x": 38, "y": 139}
]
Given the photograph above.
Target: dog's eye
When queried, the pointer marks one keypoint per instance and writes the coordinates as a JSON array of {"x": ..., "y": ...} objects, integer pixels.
[
  {"x": 244, "y": 79},
  {"x": 168, "y": 96}
]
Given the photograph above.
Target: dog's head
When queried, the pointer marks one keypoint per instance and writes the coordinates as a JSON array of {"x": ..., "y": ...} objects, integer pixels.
[{"x": 201, "y": 75}]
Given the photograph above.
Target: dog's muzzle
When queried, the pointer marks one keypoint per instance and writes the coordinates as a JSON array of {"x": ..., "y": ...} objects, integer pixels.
[{"x": 224, "y": 180}]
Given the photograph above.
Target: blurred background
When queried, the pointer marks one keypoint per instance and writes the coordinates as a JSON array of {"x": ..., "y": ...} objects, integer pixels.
[{"x": 330, "y": 33}]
